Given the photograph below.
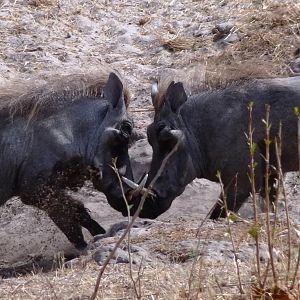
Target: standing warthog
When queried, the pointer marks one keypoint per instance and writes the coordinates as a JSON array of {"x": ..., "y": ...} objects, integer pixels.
[
  {"x": 209, "y": 129},
  {"x": 59, "y": 135}
]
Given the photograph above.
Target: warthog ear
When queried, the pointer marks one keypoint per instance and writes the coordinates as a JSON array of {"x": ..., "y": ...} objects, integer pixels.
[
  {"x": 154, "y": 92},
  {"x": 113, "y": 91},
  {"x": 175, "y": 95}
]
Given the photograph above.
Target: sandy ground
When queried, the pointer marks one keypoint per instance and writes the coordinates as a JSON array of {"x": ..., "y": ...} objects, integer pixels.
[{"x": 42, "y": 38}]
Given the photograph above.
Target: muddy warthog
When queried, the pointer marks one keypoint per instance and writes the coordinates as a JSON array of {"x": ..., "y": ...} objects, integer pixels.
[
  {"x": 58, "y": 135},
  {"x": 209, "y": 129}
]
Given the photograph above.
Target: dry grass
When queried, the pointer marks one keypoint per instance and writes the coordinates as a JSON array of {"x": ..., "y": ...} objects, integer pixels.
[
  {"x": 161, "y": 279},
  {"x": 178, "y": 44},
  {"x": 269, "y": 34}
]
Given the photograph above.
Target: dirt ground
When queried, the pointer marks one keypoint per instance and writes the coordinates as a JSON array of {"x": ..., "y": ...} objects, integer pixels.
[{"x": 142, "y": 39}]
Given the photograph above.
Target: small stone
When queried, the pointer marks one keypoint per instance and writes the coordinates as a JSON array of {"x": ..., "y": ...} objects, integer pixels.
[
  {"x": 144, "y": 20},
  {"x": 232, "y": 38},
  {"x": 296, "y": 65},
  {"x": 224, "y": 27},
  {"x": 202, "y": 32}
]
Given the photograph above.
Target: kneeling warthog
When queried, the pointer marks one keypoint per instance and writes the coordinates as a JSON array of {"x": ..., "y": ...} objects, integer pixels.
[
  {"x": 59, "y": 135},
  {"x": 209, "y": 129}
]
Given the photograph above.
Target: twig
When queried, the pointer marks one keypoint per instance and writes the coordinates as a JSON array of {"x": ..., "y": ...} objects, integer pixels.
[
  {"x": 278, "y": 148},
  {"x": 266, "y": 273},
  {"x": 230, "y": 233},
  {"x": 298, "y": 135},
  {"x": 138, "y": 293},
  {"x": 195, "y": 260},
  {"x": 141, "y": 204},
  {"x": 252, "y": 147},
  {"x": 296, "y": 269},
  {"x": 297, "y": 113},
  {"x": 218, "y": 285},
  {"x": 267, "y": 191}
]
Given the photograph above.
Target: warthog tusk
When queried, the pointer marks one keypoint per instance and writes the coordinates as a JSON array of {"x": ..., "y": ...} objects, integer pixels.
[
  {"x": 130, "y": 183},
  {"x": 143, "y": 182},
  {"x": 137, "y": 188}
]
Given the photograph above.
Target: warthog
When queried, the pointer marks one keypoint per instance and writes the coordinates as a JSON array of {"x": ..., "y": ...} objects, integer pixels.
[
  {"x": 57, "y": 136},
  {"x": 209, "y": 129}
]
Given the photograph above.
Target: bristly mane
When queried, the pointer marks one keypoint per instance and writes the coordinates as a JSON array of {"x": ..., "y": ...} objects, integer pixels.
[
  {"x": 204, "y": 78},
  {"x": 28, "y": 99}
]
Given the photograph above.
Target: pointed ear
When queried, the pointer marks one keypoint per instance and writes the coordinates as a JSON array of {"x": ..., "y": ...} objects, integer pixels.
[
  {"x": 113, "y": 91},
  {"x": 154, "y": 92},
  {"x": 175, "y": 96}
]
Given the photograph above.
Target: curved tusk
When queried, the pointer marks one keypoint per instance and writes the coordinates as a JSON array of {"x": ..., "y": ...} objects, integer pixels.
[
  {"x": 130, "y": 183},
  {"x": 143, "y": 182},
  {"x": 138, "y": 188}
]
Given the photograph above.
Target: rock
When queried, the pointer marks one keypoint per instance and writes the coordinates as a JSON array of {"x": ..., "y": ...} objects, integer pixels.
[
  {"x": 296, "y": 65},
  {"x": 202, "y": 32},
  {"x": 224, "y": 27},
  {"x": 101, "y": 255},
  {"x": 137, "y": 254},
  {"x": 84, "y": 24},
  {"x": 265, "y": 256},
  {"x": 140, "y": 154},
  {"x": 112, "y": 231},
  {"x": 232, "y": 38},
  {"x": 222, "y": 31},
  {"x": 116, "y": 228},
  {"x": 222, "y": 251}
]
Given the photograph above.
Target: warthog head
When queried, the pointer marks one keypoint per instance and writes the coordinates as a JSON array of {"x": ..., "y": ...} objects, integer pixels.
[
  {"x": 112, "y": 149},
  {"x": 171, "y": 161}
]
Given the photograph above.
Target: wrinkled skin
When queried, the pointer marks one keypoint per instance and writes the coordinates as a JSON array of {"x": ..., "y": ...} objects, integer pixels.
[
  {"x": 61, "y": 149},
  {"x": 212, "y": 128}
]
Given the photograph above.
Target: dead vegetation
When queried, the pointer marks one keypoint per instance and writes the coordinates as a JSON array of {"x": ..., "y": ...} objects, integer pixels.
[
  {"x": 182, "y": 275},
  {"x": 269, "y": 35}
]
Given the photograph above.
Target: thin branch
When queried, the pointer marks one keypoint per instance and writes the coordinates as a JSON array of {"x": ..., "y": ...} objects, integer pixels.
[
  {"x": 230, "y": 233},
  {"x": 267, "y": 192},
  {"x": 138, "y": 293},
  {"x": 278, "y": 148},
  {"x": 296, "y": 269},
  {"x": 252, "y": 147},
  {"x": 141, "y": 204},
  {"x": 297, "y": 113}
]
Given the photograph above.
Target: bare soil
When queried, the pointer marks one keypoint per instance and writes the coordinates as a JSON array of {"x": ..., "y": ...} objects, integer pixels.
[{"x": 141, "y": 39}]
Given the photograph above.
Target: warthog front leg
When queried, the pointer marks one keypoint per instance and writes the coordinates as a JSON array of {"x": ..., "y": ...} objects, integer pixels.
[
  {"x": 68, "y": 214},
  {"x": 236, "y": 191}
]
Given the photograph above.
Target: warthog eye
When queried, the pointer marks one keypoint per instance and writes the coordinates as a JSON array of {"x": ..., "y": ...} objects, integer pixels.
[
  {"x": 160, "y": 127},
  {"x": 126, "y": 128}
]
